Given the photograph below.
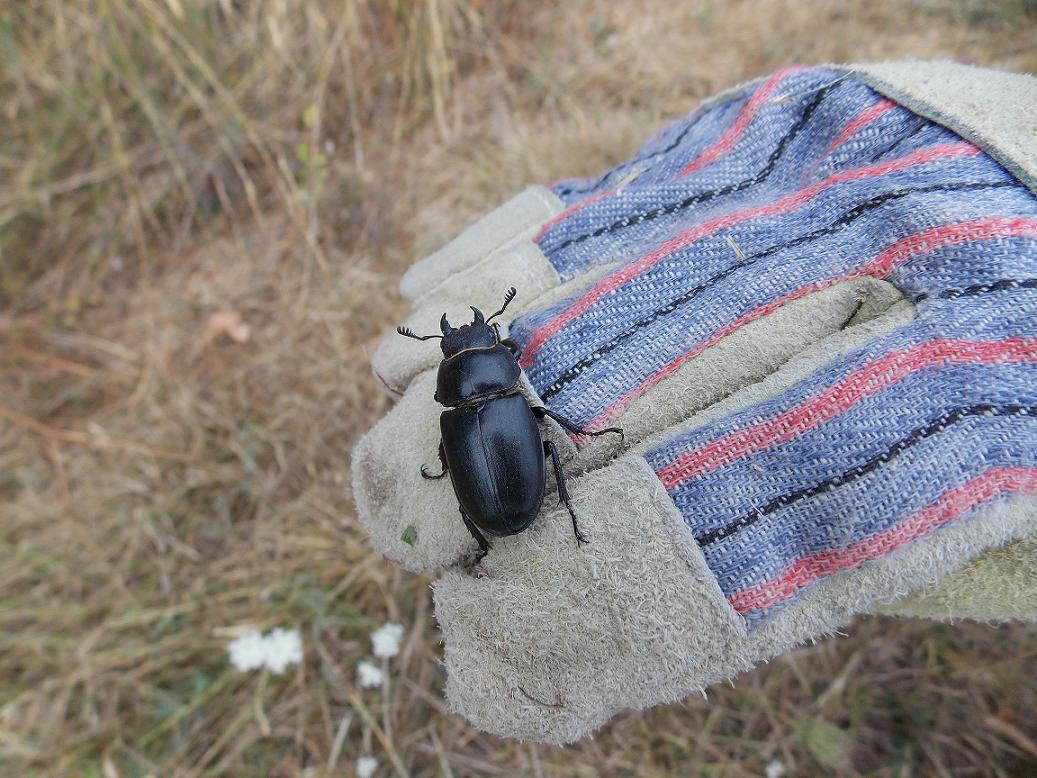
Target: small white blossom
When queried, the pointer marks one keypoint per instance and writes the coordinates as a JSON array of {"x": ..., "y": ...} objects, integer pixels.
[
  {"x": 284, "y": 647},
  {"x": 365, "y": 766},
  {"x": 774, "y": 769},
  {"x": 248, "y": 652},
  {"x": 251, "y": 651},
  {"x": 386, "y": 640},
  {"x": 369, "y": 675}
]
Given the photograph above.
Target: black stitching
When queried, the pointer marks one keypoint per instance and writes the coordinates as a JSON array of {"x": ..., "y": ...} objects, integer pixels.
[
  {"x": 970, "y": 291},
  {"x": 704, "y": 197},
  {"x": 922, "y": 124},
  {"x": 843, "y": 221},
  {"x": 936, "y": 426}
]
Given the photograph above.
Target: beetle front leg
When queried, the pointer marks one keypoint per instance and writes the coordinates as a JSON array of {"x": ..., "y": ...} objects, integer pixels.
[
  {"x": 442, "y": 458},
  {"x": 484, "y": 544},
  {"x": 563, "y": 493},
  {"x": 514, "y": 347},
  {"x": 511, "y": 345},
  {"x": 540, "y": 412}
]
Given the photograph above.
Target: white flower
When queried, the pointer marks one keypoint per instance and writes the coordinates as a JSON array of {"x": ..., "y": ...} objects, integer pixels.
[
  {"x": 369, "y": 675},
  {"x": 282, "y": 647},
  {"x": 365, "y": 766},
  {"x": 248, "y": 652},
  {"x": 774, "y": 769},
  {"x": 386, "y": 640}
]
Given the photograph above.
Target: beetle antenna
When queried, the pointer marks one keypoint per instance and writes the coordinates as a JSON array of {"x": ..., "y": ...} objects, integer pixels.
[
  {"x": 508, "y": 297},
  {"x": 407, "y": 333}
]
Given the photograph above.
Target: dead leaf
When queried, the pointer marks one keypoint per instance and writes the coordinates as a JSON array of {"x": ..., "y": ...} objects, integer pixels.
[{"x": 230, "y": 323}]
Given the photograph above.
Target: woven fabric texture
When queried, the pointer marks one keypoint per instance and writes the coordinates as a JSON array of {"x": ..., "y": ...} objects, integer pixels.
[{"x": 808, "y": 179}]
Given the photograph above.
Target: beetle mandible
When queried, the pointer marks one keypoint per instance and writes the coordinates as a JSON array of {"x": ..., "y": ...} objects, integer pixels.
[{"x": 491, "y": 445}]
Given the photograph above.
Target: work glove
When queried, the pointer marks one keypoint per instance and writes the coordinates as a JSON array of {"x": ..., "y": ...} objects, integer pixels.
[{"x": 812, "y": 307}]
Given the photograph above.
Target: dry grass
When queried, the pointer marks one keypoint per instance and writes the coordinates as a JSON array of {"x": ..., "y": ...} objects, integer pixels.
[{"x": 163, "y": 485}]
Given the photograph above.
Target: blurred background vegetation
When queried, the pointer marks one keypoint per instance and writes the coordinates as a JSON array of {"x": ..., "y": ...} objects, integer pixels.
[{"x": 204, "y": 209}]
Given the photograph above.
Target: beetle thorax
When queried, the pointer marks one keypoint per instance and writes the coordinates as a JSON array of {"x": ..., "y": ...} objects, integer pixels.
[{"x": 476, "y": 374}]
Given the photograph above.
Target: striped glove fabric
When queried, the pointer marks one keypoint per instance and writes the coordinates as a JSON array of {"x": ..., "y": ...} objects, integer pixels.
[{"x": 812, "y": 306}]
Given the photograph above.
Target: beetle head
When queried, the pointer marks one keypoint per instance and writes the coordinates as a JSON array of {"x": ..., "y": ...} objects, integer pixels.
[{"x": 478, "y": 334}]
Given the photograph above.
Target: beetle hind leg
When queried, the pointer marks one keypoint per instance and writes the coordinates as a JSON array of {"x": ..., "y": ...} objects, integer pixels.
[
  {"x": 551, "y": 452},
  {"x": 442, "y": 458},
  {"x": 484, "y": 544}
]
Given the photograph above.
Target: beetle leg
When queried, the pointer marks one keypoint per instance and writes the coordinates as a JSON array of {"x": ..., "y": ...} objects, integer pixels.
[
  {"x": 484, "y": 544},
  {"x": 442, "y": 458},
  {"x": 540, "y": 412},
  {"x": 563, "y": 492},
  {"x": 513, "y": 347}
]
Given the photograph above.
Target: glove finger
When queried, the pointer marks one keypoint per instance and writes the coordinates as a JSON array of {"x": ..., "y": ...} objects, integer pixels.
[
  {"x": 736, "y": 151},
  {"x": 631, "y": 393},
  {"x": 501, "y": 226}
]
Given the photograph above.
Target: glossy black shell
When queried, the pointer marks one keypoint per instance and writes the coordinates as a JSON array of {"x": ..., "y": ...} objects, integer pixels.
[{"x": 495, "y": 457}]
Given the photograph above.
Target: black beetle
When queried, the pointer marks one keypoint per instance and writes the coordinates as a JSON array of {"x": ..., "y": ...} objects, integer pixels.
[{"x": 491, "y": 445}]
